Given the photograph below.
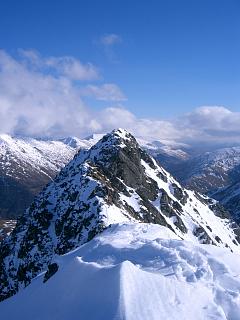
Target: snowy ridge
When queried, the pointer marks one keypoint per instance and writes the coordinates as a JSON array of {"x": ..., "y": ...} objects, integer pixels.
[
  {"x": 115, "y": 181},
  {"x": 165, "y": 147},
  {"x": 144, "y": 271},
  {"x": 43, "y": 156}
]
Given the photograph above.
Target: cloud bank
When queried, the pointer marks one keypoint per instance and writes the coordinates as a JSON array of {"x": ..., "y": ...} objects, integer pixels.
[
  {"x": 105, "y": 92},
  {"x": 45, "y": 97}
]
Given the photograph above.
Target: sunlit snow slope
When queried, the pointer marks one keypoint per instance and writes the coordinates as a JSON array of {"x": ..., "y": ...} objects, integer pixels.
[{"x": 134, "y": 272}]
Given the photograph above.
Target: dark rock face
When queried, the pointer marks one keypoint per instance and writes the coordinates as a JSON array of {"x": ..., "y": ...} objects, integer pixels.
[
  {"x": 113, "y": 182},
  {"x": 202, "y": 236},
  {"x": 52, "y": 269}
]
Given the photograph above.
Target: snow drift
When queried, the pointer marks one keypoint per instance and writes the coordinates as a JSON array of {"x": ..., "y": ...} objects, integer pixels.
[{"x": 134, "y": 272}]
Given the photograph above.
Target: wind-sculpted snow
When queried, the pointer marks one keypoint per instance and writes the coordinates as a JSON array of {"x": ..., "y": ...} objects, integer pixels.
[
  {"x": 115, "y": 181},
  {"x": 134, "y": 271}
]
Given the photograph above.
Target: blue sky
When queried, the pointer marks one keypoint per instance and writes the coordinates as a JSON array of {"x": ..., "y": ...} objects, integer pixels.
[
  {"x": 173, "y": 56},
  {"x": 167, "y": 58}
]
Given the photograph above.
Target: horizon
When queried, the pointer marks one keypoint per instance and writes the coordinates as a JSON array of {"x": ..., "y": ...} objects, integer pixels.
[{"x": 192, "y": 148}]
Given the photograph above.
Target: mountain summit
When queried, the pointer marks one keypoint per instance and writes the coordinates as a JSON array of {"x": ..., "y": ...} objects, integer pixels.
[{"x": 113, "y": 182}]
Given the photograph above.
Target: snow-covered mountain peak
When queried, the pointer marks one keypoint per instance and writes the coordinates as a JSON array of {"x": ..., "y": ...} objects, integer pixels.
[
  {"x": 108, "y": 148},
  {"x": 115, "y": 181},
  {"x": 118, "y": 137},
  {"x": 4, "y": 137},
  {"x": 112, "y": 143}
]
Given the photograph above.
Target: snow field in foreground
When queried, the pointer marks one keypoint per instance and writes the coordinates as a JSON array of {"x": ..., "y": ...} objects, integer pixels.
[{"x": 135, "y": 272}]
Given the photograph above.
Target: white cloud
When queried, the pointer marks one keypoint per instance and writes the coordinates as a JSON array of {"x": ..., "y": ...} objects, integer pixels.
[
  {"x": 108, "y": 42},
  {"x": 65, "y": 66},
  {"x": 36, "y": 103},
  {"x": 208, "y": 117},
  {"x": 73, "y": 68},
  {"x": 115, "y": 117},
  {"x": 39, "y": 103},
  {"x": 105, "y": 92},
  {"x": 212, "y": 124},
  {"x": 110, "y": 39},
  {"x": 31, "y": 56}
]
